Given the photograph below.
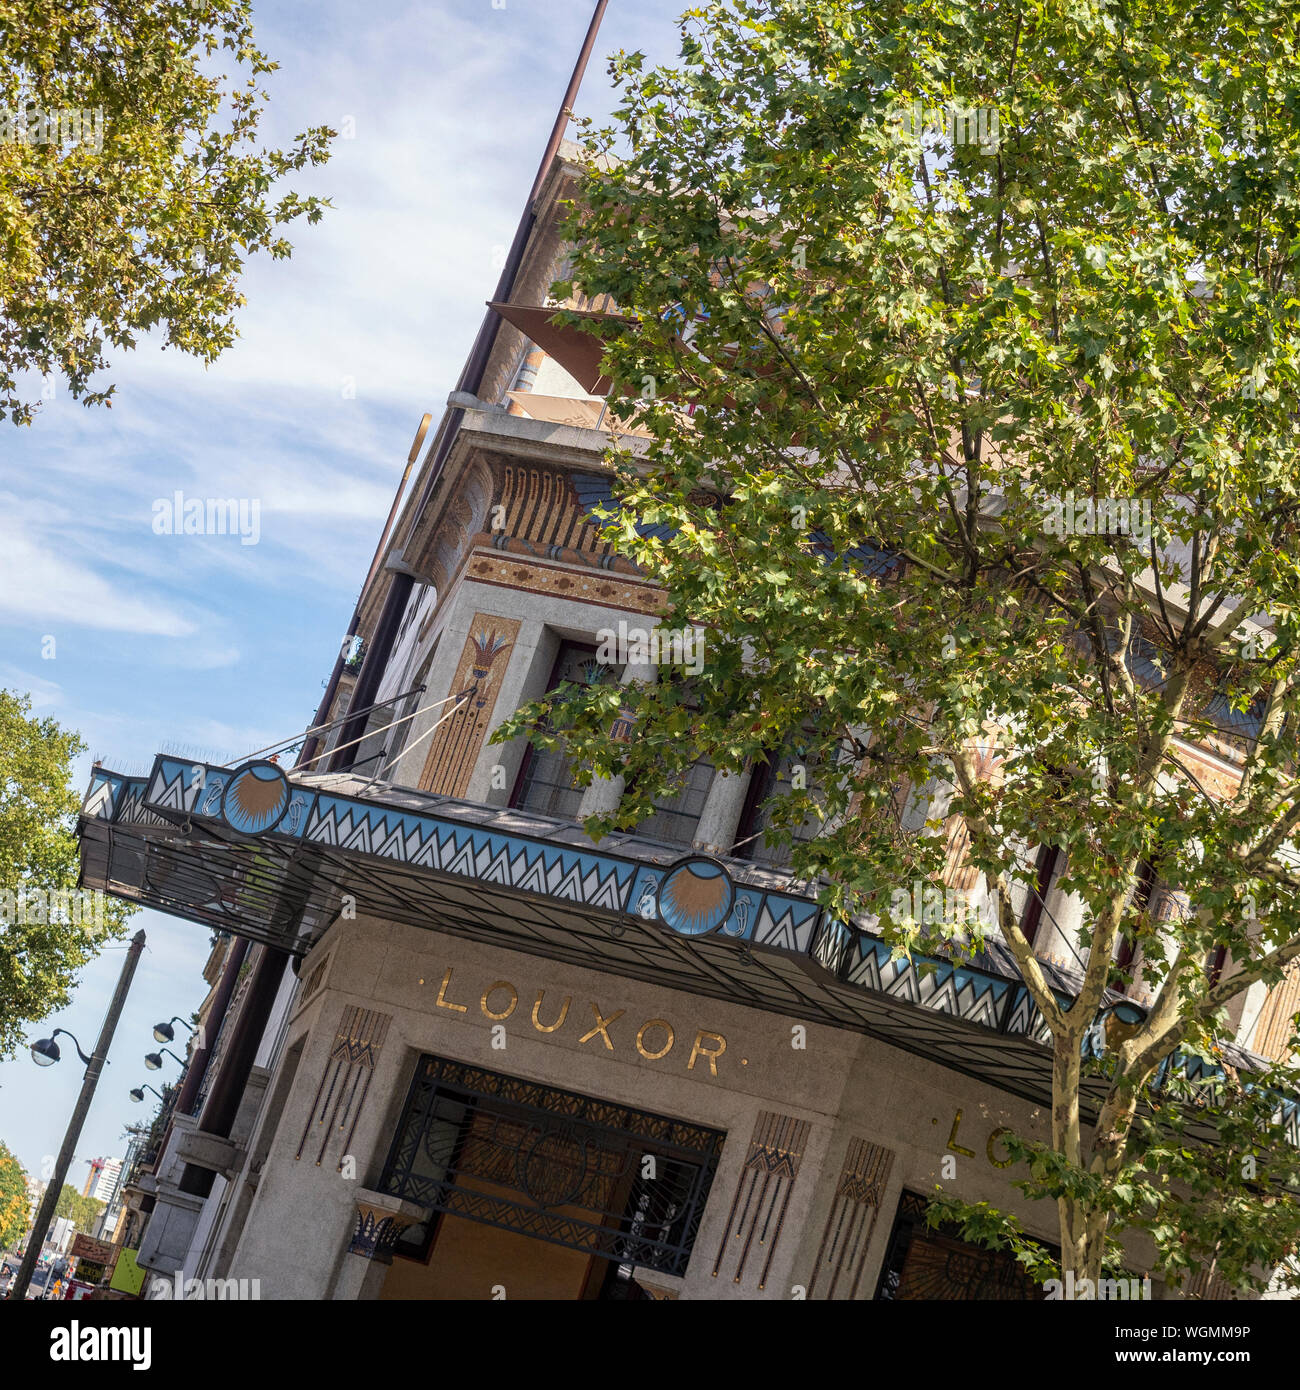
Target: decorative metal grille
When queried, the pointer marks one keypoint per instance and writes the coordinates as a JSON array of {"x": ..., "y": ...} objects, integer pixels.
[
  {"x": 924, "y": 1263},
  {"x": 587, "y": 1174}
]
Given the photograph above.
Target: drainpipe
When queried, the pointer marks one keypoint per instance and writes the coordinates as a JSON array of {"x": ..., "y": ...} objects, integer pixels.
[{"x": 471, "y": 378}]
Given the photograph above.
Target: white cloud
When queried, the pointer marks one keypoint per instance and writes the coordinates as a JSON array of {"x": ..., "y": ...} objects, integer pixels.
[
  {"x": 46, "y": 695},
  {"x": 39, "y": 584}
]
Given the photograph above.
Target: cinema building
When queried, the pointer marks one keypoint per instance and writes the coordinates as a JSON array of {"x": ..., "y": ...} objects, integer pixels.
[{"x": 457, "y": 1050}]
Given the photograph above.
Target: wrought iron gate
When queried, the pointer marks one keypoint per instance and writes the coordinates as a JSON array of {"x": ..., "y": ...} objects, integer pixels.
[{"x": 587, "y": 1174}]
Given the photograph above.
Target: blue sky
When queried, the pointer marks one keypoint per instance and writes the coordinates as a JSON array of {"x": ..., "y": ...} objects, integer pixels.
[{"x": 201, "y": 642}]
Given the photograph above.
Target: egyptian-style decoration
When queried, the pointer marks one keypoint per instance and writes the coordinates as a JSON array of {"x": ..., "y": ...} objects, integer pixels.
[
  {"x": 314, "y": 981},
  {"x": 377, "y": 1230},
  {"x": 966, "y": 993},
  {"x": 851, "y": 1222},
  {"x": 757, "y": 1215},
  {"x": 489, "y": 847},
  {"x": 345, "y": 1084},
  {"x": 255, "y": 798},
  {"x": 624, "y": 726},
  {"x": 589, "y": 877},
  {"x": 543, "y": 506},
  {"x": 696, "y": 896},
  {"x": 599, "y": 589},
  {"x": 455, "y": 747},
  {"x": 958, "y": 872},
  {"x": 1277, "y": 1025}
]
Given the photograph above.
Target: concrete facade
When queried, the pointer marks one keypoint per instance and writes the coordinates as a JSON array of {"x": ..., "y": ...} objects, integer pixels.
[{"x": 841, "y": 1085}]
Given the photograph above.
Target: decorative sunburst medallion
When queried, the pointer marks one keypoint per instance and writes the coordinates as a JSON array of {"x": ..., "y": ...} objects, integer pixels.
[
  {"x": 552, "y": 1168},
  {"x": 695, "y": 896},
  {"x": 257, "y": 796}
]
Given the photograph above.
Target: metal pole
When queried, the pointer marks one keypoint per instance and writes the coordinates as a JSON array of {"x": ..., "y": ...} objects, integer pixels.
[{"x": 41, "y": 1227}]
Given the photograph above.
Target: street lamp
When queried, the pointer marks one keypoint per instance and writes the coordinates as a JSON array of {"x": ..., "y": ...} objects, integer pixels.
[
  {"x": 153, "y": 1060},
  {"x": 45, "y": 1051},
  {"x": 138, "y": 1094},
  {"x": 165, "y": 1033}
]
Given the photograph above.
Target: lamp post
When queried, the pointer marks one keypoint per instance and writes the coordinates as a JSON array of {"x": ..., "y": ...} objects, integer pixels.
[
  {"x": 165, "y": 1033},
  {"x": 153, "y": 1060},
  {"x": 46, "y": 1053},
  {"x": 138, "y": 1094}
]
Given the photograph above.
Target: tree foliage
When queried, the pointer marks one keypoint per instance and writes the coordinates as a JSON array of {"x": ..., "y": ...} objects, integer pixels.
[
  {"x": 81, "y": 1210},
  {"x": 133, "y": 186},
  {"x": 877, "y": 358},
  {"x": 48, "y": 928},
  {"x": 13, "y": 1199}
]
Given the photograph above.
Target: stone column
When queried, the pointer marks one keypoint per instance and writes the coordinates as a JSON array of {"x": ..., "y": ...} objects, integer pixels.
[
  {"x": 380, "y": 1221},
  {"x": 1248, "y": 1006},
  {"x": 605, "y": 793},
  {"x": 1058, "y": 928},
  {"x": 1166, "y": 905},
  {"x": 723, "y": 804}
]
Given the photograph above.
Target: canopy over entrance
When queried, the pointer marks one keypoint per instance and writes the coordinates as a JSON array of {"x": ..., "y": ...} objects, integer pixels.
[{"x": 273, "y": 856}]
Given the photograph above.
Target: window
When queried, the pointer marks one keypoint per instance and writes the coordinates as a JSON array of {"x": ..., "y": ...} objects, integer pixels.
[
  {"x": 771, "y": 781},
  {"x": 1240, "y": 723},
  {"x": 675, "y": 819},
  {"x": 1045, "y": 867},
  {"x": 1126, "y": 946},
  {"x": 546, "y": 782}
]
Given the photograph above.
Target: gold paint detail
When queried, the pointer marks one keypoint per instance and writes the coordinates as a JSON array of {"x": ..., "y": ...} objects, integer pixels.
[
  {"x": 988, "y": 1148},
  {"x": 345, "y": 1083},
  {"x": 851, "y": 1221},
  {"x": 665, "y": 1049},
  {"x": 767, "y": 1178},
  {"x": 559, "y": 1022},
  {"x": 492, "y": 989},
  {"x": 601, "y": 1025},
  {"x": 443, "y": 1002},
  {"x": 953, "y": 1145},
  {"x": 699, "y": 1050}
]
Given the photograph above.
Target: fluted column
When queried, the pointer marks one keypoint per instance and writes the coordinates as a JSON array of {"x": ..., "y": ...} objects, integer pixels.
[
  {"x": 723, "y": 806},
  {"x": 605, "y": 793}
]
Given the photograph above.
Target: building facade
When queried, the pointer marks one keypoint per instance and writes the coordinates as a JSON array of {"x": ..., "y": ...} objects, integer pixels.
[{"x": 454, "y": 1049}]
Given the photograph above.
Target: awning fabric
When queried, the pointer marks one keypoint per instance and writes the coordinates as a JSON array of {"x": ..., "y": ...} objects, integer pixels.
[{"x": 578, "y": 352}]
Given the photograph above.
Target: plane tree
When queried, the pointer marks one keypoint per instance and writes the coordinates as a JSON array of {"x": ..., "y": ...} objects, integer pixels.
[{"x": 965, "y": 345}]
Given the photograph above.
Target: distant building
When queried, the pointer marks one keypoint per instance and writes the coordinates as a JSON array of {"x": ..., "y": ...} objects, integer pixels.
[{"x": 104, "y": 1179}]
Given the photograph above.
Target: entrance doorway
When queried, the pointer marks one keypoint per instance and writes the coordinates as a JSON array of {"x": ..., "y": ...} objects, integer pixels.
[
  {"x": 924, "y": 1263},
  {"x": 540, "y": 1193}
]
